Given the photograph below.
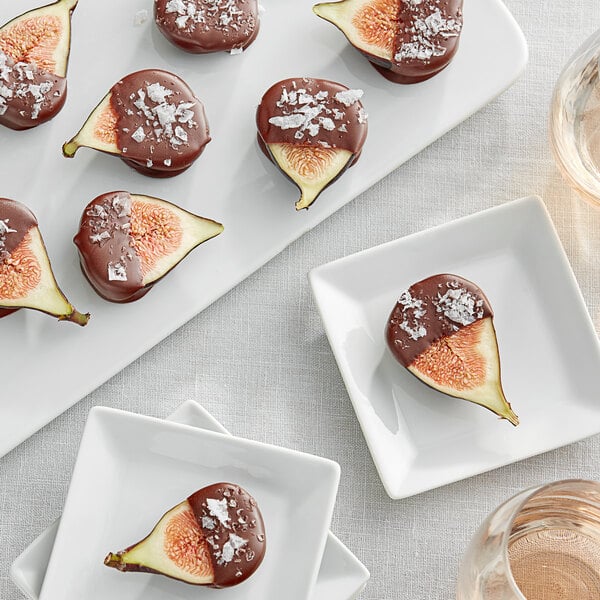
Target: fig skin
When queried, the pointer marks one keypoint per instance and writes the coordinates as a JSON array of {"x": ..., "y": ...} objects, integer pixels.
[
  {"x": 448, "y": 309},
  {"x": 18, "y": 116}
]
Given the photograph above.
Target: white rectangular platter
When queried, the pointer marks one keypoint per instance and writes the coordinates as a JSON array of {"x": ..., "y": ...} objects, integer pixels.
[{"x": 48, "y": 366}]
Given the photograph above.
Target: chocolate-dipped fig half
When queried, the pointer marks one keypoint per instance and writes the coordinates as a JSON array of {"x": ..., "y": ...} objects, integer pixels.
[
  {"x": 34, "y": 53},
  {"x": 151, "y": 119},
  {"x": 441, "y": 329},
  {"x": 128, "y": 242},
  {"x": 26, "y": 277},
  {"x": 202, "y": 26},
  {"x": 407, "y": 41},
  {"x": 214, "y": 538},
  {"x": 313, "y": 130}
]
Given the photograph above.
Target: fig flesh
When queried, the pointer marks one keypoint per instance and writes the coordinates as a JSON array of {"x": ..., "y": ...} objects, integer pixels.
[
  {"x": 128, "y": 242},
  {"x": 441, "y": 329},
  {"x": 313, "y": 130},
  {"x": 26, "y": 277},
  {"x": 151, "y": 119},
  {"x": 405, "y": 40},
  {"x": 34, "y": 53},
  {"x": 215, "y": 538},
  {"x": 202, "y": 26}
]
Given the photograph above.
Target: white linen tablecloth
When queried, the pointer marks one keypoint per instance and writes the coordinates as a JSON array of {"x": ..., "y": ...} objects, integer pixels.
[{"x": 258, "y": 359}]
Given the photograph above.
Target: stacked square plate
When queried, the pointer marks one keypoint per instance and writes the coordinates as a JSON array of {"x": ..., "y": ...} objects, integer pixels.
[{"x": 131, "y": 469}]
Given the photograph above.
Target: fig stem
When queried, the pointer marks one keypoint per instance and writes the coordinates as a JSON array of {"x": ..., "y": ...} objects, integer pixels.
[
  {"x": 511, "y": 417},
  {"x": 76, "y": 317},
  {"x": 112, "y": 560},
  {"x": 70, "y": 148},
  {"x": 306, "y": 198}
]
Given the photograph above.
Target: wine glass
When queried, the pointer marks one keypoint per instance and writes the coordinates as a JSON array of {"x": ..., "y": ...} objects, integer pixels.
[
  {"x": 575, "y": 120},
  {"x": 542, "y": 544}
]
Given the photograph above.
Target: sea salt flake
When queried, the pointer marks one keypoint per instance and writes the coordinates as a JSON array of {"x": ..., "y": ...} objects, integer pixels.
[
  {"x": 327, "y": 123},
  {"x": 181, "y": 133},
  {"x": 218, "y": 509},
  {"x": 4, "y": 228},
  {"x": 176, "y": 6},
  {"x": 117, "y": 272},
  {"x": 181, "y": 21},
  {"x": 460, "y": 306},
  {"x": 158, "y": 93},
  {"x": 122, "y": 205},
  {"x": 292, "y": 121},
  {"x": 98, "y": 238},
  {"x": 141, "y": 16},
  {"x": 349, "y": 97},
  {"x": 413, "y": 312},
  {"x": 235, "y": 542},
  {"x": 139, "y": 135}
]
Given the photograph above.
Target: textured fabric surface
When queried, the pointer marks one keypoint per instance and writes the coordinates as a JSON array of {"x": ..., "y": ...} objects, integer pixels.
[{"x": 258, "y": 359}]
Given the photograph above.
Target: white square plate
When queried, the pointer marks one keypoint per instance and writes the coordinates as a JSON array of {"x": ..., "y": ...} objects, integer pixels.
[
  {"x": 549, "y": 351},
  {"x": 232, "y": 181},
  {"x": 131, "y": 469},
  {"x": 341, "y": 575}
]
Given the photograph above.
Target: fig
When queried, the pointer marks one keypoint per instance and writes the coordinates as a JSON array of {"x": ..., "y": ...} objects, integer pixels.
[
  {"x": 202, "y": 26},
  {"x": 26, "y": 277},
  {"x": 441, "y": 329},
  {"x": 128, "y": 242},
  {"x": 313, "y": 130},
  {"x": 34, "y": 53},
  {"x": 151, "y": 119},
  {"x": 407, "y": 41},
  {"x": 215, "y": 538}
]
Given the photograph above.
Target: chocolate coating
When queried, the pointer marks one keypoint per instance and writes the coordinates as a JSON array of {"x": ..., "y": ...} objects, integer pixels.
[
  {"x": 432, "y": 309},
  {"x": 234, "y": 530},
  {"x": 28, "y": 96},
  {"x": 107, "y": 255},
  {"x": 426, "y": 40},
  {"x": 161, "y": 125},
  {"x": 284, "y": 115},
  {"x": 15, "y": 222},
  {"x": 202, "y": 26}
]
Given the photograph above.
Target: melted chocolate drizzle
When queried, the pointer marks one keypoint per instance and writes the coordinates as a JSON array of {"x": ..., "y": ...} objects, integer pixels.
[
  {"x": 234, "y": 530},
  {"x": 203, "y": 26},
  {"x": 431, "y": 309}
]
